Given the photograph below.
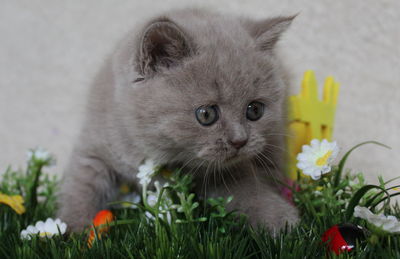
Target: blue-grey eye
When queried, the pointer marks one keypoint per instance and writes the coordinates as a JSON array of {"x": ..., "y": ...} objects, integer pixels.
[
  {"x": 207, "y": 115},
  {"x": 255, "y": 111}
]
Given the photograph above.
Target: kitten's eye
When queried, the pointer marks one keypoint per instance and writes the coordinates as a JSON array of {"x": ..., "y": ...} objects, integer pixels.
[
  {"x": 207, "y": 115},
  {"x": 255, "y": 111}
]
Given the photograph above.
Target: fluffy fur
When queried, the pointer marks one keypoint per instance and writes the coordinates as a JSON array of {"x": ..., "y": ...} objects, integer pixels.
[{"x": 142, "y": 105}]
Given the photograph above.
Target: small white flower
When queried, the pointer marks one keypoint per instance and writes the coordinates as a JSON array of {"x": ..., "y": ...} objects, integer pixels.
[
  {"x": 165, "y": 216},
  {"x": 387, "y": 223},
  {"x": 149, "y": 215},
  {"x": 129, "y": 199},
  {"x": 146, "y": 171},
  {"x": 152, "y": 197},
  {"x": 340, "y": 192},
  {"x": 317, "y": 193},
  {"x": 165, "y": 202},
  {"x": 44, "y": 229},
  {"x": 41, "y": 155},
  {"x": 315, "y": 159}
]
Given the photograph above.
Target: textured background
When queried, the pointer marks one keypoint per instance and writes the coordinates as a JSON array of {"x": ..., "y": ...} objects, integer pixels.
[{"x": 50, "y": 50}]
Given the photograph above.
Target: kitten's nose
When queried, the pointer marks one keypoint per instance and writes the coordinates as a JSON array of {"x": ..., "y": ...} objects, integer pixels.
[{"x": 238, "y": 143}]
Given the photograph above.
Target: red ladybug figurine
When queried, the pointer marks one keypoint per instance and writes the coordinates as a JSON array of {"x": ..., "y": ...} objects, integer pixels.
[{"x": 343, "y": 237}]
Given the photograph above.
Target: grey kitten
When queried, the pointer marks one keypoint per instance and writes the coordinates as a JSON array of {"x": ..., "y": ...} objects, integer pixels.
[{"x": 194, "y": 90}]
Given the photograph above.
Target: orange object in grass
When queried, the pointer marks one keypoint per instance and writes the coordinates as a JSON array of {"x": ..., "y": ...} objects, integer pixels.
[{"x": 100, "y": 222}]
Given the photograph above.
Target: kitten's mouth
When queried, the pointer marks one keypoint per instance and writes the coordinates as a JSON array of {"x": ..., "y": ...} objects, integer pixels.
[
  {"x": 233, "y": 159},
  {"x": 226, "y": 159}
]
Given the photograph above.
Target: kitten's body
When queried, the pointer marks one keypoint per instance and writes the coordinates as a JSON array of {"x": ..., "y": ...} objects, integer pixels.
[{"x": 188, "y": 59}]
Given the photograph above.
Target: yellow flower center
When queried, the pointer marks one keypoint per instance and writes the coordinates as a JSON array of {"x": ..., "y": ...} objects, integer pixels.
[
  {"x": 44, "y": 234},
  {"x": 324, "y": 159}
]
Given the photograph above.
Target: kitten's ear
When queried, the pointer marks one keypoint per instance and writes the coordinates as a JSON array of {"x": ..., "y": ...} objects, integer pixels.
[
  {"x": 267, "y": 32},
  {"x": 163, "y": 44}
]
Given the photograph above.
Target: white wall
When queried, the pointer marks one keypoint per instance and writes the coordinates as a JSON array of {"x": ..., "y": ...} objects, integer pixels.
[{"x": 49, "y": 51}]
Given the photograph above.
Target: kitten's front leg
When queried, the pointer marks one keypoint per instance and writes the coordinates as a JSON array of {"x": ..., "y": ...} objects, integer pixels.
[
  {"x": 87, "y": 185},
  {"x": 262, "y": 203}
]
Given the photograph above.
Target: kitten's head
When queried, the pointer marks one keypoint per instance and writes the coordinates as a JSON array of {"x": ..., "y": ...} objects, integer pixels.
[{"x": 201, "y": 89}]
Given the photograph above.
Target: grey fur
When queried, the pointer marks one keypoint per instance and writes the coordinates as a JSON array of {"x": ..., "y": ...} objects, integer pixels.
[{"x": 187, "y": 58}]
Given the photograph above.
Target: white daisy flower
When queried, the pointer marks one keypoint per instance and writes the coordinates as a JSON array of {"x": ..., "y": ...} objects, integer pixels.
[
  {"x": 146, "y": 171},
  {"x": 44, "y": 229},
  {"x": 315, "y": 159},
  {"x": 388, "y": 224}
]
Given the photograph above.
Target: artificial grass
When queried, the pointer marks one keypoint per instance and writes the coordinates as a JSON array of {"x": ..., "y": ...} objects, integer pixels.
[{"x": 206, "y": 231}]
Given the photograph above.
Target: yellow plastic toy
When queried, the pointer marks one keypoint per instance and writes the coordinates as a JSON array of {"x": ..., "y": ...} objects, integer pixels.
[{"x": 310, "y": 117}]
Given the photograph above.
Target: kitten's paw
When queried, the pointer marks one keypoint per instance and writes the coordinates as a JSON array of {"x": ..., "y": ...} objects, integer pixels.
[
  {"x": 76, "y": 221},
  {"x": 78, "y": 214},
  {"x": 275, "y": 218}
]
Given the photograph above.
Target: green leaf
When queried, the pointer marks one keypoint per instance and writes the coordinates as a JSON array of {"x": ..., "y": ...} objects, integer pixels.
[
  {"x": 195, "y": 205},
  {"x": 355, "y": 200}
]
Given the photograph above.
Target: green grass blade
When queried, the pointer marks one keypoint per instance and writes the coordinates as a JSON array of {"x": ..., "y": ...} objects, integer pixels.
[
  {"x": 376, "y": 196},
  {"x": 391, "y": 180},
  {"x": 385, "y": 198},
  {"x": 346, "y": 156},
  {"x": 355, "y": 200}
]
